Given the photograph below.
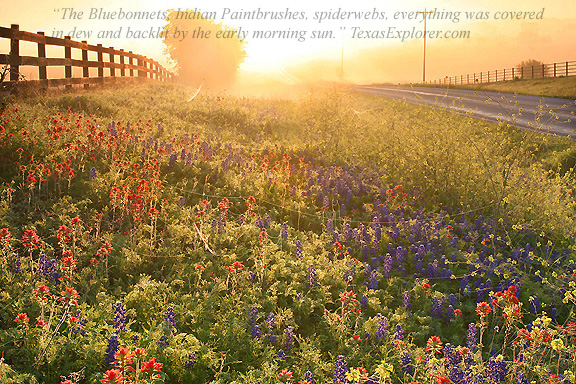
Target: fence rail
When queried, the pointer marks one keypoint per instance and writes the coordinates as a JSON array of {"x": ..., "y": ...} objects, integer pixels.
[
  {"x": 120, "y": 64},
  {"x": 561, "y": 69}
]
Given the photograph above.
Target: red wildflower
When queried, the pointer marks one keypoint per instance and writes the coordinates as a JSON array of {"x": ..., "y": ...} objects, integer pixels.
[
  {"x": 285, "y": 375},
  {"x": 483, "y": 309},
  {"x": 425, "y": 288},
  {"x": 434, "y": 344},
  {"x": 235, "y": 267},
  {"x": 42, "y": 292},
  {"x": 442, "y": 380},
  {"x": 30, "y": 239},
  {"x": 112, "y": 376},
  {"x": 123, "y": 356},
  {"x": 22, "y": 319},
  {"x": 151, "y": 366}
]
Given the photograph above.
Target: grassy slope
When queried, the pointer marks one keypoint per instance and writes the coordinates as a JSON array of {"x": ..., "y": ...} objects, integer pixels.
[
  {"x": 442, "y": 159},
  {"x": 562, "y": 87}
]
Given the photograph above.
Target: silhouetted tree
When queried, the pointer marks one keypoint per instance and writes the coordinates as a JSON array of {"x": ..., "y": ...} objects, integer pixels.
[
  {"x": 531, "y": 69},
  {"x": 210, "y": 53}
]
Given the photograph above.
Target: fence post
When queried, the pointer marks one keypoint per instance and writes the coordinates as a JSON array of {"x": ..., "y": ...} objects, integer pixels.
[
  {"x": 85, "y": 69},
  {"x": 14, "y": 54},
  {"x": 532, "y": 77},
  {"x": 68, "y": 68},
  {"x": 131, "y": 62},
  {"x": 522, "y": 73},
  {"x": 554, "y": 69},
  {"x": 112, "y": 69},
  {"x": 100, "y": 64},
  {"x": 42, "y": 54},
  {"x": 122, "y": 70},
  {"x": 566, "y": 68}
]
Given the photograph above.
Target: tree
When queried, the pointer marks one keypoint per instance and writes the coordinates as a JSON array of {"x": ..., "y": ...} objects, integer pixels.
[
  {"x": 531, "y": 69},
  {"x": 204, "y": 51}
]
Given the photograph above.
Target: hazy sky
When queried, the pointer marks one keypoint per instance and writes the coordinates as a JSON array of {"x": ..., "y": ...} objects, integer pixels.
[{"x": 364, "y": 47}]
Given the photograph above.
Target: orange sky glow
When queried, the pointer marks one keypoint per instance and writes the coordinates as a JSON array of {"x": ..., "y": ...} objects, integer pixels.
[{"x": 353, "y": 50}]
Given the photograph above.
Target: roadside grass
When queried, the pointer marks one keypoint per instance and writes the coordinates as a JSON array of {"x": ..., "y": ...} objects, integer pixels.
[{"x": 561, "y": 87}]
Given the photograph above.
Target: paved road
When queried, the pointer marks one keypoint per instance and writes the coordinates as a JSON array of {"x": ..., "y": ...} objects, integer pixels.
[{"x": 544, "y": 114}]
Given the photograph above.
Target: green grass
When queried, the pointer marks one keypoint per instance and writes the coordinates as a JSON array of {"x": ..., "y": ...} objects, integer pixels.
[{"x": 562, "y": 87}]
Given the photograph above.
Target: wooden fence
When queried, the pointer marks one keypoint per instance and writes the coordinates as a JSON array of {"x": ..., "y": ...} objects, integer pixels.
[
  {"x": 566, "y": 68},
  {"x": 121, "y": 64}
]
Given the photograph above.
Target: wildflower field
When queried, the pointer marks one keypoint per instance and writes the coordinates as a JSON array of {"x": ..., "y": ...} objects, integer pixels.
[{"x": 328, "y": 238}]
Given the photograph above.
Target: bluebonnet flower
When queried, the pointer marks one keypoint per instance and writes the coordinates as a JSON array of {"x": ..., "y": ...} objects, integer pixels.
[
  {"x": 252, "y": 315},
  {"x": 80, "y": 326},
  {"x": 457, "y": 375},
  {"x": 406, "y": 300},
  {"x": 407, "y": 363},
  {"x": 284, "y": 231},
  {"x": 172, "y": 161},
  {"x": 364, "y": 302},
  {"x": 113, "y": 345},
  {"x": 181, "y": 202},
  {"x": 388, "y": 264},
  {"x": 449, "y": 315},
  {"x": 271, "y": 321},
  {"x": 335, "y": 237},
  {"x": 289, "y": 332},
  {"x": 298, "y": 250},
  {"x": 312, "y": 281},
  {"x": 135, "y": 338},
  {"x": 340, "y": 369},
  {"x": 256, "y": 332},
  {"x": 119, "y": 317},
  {"x": 48, "y": 268},
  {"x": 377, "y": 229},
  {"x": 450, "y": 353},
  {"x": 398, "y": 332},
  {"x": 192, "y": 359},
  {"x": 309, "y": 377},
  {"x": 260, "y": 223},
  {"x": 163, "y": 342},
  {"x": 382, "y": 330},
  {"x": 472, "y": 337},
  {"x": 453, "y": 300},
  {"x": 329, "y": 226},
  {"x": 16, "y": 265},
  {"x": 170, "y": 318},
  {"x": 93, "y": 173},
  {"x": 272, "y": 337},
  {"x": 436, "y": 310},
  {"x": 373, "y": 280},
  {"x": 432, "y": 271},
  {"x": 534, "y": 304},
  {"x": 281, "y": 355},
  {"x": 267, "y": 221},
  {"x": 496, "y": 369}
]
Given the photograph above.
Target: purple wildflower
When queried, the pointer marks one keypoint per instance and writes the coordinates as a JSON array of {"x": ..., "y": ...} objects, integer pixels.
[
  {"x": 113, "y": 345},
  {"x": 119, "y": 317},
  {"x": 340, "y": 369}
]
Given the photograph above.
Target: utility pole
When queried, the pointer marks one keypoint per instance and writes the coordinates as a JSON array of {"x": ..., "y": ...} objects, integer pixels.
[
  {"x": 342, "y": 61},
  {"x": 424, "y": 64}
]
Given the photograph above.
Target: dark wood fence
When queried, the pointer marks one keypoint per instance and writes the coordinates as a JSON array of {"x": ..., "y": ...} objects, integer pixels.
[
  {"x": 566, "y": 68},
  {"x": 121, "y": 64}
]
